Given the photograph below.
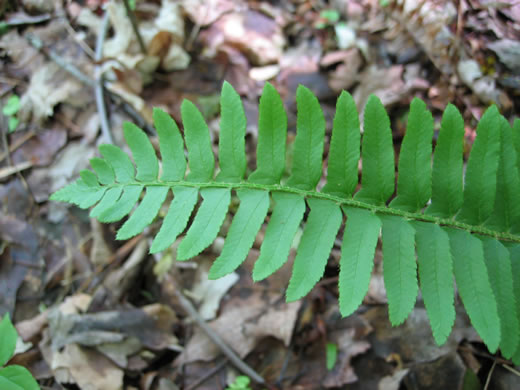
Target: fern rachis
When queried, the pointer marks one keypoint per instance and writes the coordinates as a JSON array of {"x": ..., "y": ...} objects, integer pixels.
[{"x": 469, "y": 230}]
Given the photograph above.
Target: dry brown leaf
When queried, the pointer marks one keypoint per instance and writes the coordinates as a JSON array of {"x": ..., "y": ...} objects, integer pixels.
[
  {"x": 392, "y": 382},
  {"x": 208, "y": 293},
  {"x": 243, "y": 326},
  {"x": 16, "y": 259},
  {"x": 29, "y": 329},
  {"x": 256, "y": 35},
  {"x": 508, "y": 51},
  {"x": 346, "y": 73},
  {"x": 49, "y": 86},
  {"x": 87, "y": 368},
  {"x": 348, "y": 347},
  {"x": 205, "y": 12},
  {"x": 386, "y": 83},
  {"x": 429, "y": 24},
  {"x": 42, "y": 148}
]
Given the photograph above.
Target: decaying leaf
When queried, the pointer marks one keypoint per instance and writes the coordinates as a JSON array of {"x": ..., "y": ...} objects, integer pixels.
[{"x": 243, "y": 326}]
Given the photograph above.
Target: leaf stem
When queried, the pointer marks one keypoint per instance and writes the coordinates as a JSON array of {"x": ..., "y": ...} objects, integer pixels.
[{"x": 381, "y": 209}]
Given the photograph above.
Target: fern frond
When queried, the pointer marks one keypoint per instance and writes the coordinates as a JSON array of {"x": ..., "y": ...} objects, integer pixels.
[
  {"x": 480, "y": 182},
  {"x": 399, "y": 267},
  {"x": 378, "y": 177},
  {"x": 447, "y": 166},
  {"x": 474, "y": 285},
  {"x": 498, "y": 264},
  {"x": 355, "y": 266},
  {"x": 285, "y": 220},
  {"x": 464, "y": 228},
  {"x": 436, "y": 277}
]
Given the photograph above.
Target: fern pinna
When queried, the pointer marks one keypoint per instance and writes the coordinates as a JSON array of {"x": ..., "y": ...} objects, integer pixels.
[{"x": 438, "y": 225}]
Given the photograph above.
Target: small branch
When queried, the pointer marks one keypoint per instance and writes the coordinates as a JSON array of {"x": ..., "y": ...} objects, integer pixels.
[
  {"x": 230, "y": 354},
  {"x": 16, "y": 144},
  {"x": 12, "y": 169},
  {"x": 133, "y": 21},
  {"x": 486, "y": 386},
  {"x": 15, "y": 169},
  {"x": 68, "y": 67},
  {"x": 86, "y": 48},
  {"x": 22, "y": 20},
  {"x": 78, "y": 74},
  {"x": 100, "y": 98},
  {"x": 517, "y": 373}
]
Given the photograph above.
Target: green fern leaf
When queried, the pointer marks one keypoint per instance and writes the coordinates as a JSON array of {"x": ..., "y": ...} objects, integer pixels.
[
  {"x": 80, "y": 194},
  {"x": 176, "y": 219},
  {"x": 436, "y": 277},
  {"x": 272, "y": 136},
  {"x": 231, "y": 147},
  {"x": 110, "y": 198},
  {"x": 446, "y": 235},
  {"x": 357, "y": 254},
  {"x": 123, "y": 205},
  {"x": 120, "y": 163},
  {"x": 414, "y": 183},
  {"x": 480, "y": 183},
  {"x": 317, "y": 240},
  {"x": 89, "y": 179},
  {"x": 474, "y": 287},
  {"x": 287, "y": 216},
  {"x": 200, "y": 154},
  {"x": 308, "y": 145},
  {"x": 506, "y": 213},
  {"x": 514, "y": 253},
  {"x": 144, "y": 214},
  {"x": 447, "y": 166},
  {"x": 171, "y": 146},
  {"x": 206, "y": 225},
  {"x": 16, "y": 377},
  {"x": 516, "y": 138},
  {"x": 142, "y": 151},
  {"x": 399, "y": 267},
  {"x": 498, "y": 263},
  {"x": 342, "y": 171},
  {"x": 8, "y": 336},
  {"x": 246, "y": 224},
  {"x": 377, "y": 177},
  {"x": 104, "y": 171}
]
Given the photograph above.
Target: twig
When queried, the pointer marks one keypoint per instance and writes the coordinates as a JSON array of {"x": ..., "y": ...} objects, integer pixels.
[
  {"x": 12, "y": 169},
  {"x": 517, "y": 373},
  {"x": 26, "y": 20},
  {"x": 193, "y": 35},
  {"x": 207, "y": 375},
  {"x": 16, "y": 144},
  {"x": 86, "y": 48},
  {"x": 91, "y": 283},
  {"x": 75, "y": 72},
  {"x": 489, "y": 375},
  {"x": 230, "y": 354},
  {"x": 285, "y": 364},
  {"x": 100, "y": 100},
  {"x": 133, "y": 22},
  {"x": 68, "y": 67}
]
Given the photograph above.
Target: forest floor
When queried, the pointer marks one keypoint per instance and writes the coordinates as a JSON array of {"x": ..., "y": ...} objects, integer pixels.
[{"x": 99, "y": 314}]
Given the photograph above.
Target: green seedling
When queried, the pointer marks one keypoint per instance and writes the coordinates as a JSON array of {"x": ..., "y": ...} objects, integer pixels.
[
  {"x": 10, "y": 110},
  {"x": 12, "y": 377}
]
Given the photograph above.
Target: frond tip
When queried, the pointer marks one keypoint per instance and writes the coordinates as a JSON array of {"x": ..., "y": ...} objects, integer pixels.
[{"x": 437, "y": 223}]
